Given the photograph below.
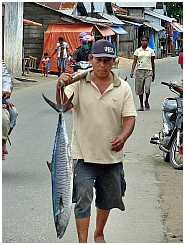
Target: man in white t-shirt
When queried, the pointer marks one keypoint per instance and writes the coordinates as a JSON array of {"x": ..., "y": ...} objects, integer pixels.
[{"x": 63, "y": 53}]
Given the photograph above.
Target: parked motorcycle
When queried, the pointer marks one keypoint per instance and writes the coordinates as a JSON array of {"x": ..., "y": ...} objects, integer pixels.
[
  {"x": 170, "y": 139},
  {"x": 80, "y": 66}
]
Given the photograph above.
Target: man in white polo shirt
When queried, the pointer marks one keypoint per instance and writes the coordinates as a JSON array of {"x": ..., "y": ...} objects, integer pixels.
[{"x": 103, "y": 119}]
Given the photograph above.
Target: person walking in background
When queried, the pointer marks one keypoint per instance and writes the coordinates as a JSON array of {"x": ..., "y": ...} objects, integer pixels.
[
  {"x": 63, "y": 53},
  {"x": 45, "y": 64},
  {"x": 180, "y": 58},
  {"x": 102, "y": 102},
  {"x": 145, "y": 73}
]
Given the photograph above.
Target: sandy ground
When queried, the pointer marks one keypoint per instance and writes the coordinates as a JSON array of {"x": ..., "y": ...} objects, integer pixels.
[{"x": 171, "y": 198}]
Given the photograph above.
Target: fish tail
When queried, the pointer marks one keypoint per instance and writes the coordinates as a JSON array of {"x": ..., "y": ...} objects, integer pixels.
[{"x": 57, "y": 107}]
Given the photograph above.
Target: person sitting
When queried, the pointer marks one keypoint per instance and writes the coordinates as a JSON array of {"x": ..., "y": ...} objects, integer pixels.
[
  {"x": 81, "y": 54},
  {"x": 9, "y": 112}
]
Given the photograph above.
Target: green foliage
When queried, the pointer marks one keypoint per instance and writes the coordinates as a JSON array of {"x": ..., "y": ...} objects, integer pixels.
[{"x": 174, "y": 9}]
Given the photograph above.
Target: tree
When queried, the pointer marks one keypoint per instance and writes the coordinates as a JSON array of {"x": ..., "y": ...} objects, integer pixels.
[{"x": 175, "y": 10}]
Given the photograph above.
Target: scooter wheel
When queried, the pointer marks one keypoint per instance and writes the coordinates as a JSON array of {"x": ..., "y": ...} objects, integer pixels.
[{"x": 176, "y": 156}]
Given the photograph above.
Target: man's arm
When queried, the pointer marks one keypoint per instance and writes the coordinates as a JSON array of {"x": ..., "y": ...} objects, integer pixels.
[
  {"x": 61, "y": 97},
  {"x": 153, "y": 67},
  {"x": 6, "y": 82},
  {"x": 118, "y": 142},
  {"x": 133, "y": 66}
]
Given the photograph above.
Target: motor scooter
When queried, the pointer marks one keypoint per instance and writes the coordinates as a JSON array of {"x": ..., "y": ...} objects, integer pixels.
[
  {"x": 80, "y": 66},
  {"x": 170, "y": 139}
]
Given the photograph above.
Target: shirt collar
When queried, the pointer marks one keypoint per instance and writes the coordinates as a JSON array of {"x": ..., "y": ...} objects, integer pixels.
[{"x": 116, "y": 81}]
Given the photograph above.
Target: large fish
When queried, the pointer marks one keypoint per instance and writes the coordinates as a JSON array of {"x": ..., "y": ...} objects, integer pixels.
[{"x": 61, "y": 168}]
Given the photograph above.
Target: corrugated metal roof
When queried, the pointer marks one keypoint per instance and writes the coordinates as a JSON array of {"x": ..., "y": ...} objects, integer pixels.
[
  {"x": 159, "y": 16},
  {"x": 52, "y": 5},
  {"x": 105, "y": 31},
  {"x": 112, "y": 18},
  {"x": 29, "y": 22},
  {"x": 130, "y": 18},
  {"x": 132, "y": 23},
  {"x": 154, "y": 25},
  {"x": 136, "y": 4},
  {"x": 67, "y": 5},
  {"x": 180, "y": 27},
  {"x": 94, "y": 21},
  {"x": 117, "y": 8},
  {"x": 66, "y": 11},
  {"x": 118, "y": 30}
]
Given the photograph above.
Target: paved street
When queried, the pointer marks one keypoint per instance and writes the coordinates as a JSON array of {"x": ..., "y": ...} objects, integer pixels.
[{"x": 26, "y": 183}]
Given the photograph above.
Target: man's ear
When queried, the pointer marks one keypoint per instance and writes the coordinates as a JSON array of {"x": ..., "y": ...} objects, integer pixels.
[
  {"x": 90, "y": 57},
  {"x": 114, "y": 60}
]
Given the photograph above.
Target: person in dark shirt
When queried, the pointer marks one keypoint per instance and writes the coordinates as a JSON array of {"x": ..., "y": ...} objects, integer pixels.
[{"x": 81, "y": 54}]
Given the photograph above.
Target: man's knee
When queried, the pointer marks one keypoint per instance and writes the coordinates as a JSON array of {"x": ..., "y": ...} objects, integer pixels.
[
  {"x": 13, "y": 116},
  {"x": 5, "y": 123}
]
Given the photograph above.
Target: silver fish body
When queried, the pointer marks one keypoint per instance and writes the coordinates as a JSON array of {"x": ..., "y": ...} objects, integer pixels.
[{"x": 61, "y": 173}]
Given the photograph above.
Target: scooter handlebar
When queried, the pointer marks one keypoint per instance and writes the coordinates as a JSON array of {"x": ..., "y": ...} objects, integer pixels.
[{"x": 165, "y": 83}]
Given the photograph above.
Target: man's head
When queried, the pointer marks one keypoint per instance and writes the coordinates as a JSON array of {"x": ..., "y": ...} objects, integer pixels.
[
  {"x": 61, "y": 40},
  {"x": 103, "y": 48},
  {"x": 81, "y": 35},
  {"x": 87, "y": 42},
  {"x": 102, "y": 57}
]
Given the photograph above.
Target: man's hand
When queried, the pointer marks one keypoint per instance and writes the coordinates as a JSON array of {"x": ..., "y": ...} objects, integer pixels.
[
  {"x": 66, "y": 79},
  {"x": 153, "y": 77},
  {"x": 132, "y": 74},
  {"x": 117, "y": 143},
  {"x": 5, "y": 94},
  {"x": 9, "y": 105}
]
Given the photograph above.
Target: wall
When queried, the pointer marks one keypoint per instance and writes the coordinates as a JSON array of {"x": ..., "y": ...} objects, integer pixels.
[
  {"x": 13, "y": 36},
  {"x": 128, "y": 43}
]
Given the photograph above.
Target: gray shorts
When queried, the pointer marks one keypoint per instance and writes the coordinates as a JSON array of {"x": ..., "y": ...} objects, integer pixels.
[
  {"x": 108, "y": 181},
  {"x": 143, "y": 80}
]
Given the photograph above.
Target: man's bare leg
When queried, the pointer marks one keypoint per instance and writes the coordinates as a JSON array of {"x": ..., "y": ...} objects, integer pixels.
[
  {"x": 101, "y": 219},
  {"x": 82, "y": 225}
]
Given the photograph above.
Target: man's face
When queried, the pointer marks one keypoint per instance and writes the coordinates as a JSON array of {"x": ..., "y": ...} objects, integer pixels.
[{"x": 101, "y": 66}]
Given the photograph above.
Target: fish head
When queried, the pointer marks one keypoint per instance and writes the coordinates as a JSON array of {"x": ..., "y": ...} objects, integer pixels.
[{"x": 61, "y": 224}]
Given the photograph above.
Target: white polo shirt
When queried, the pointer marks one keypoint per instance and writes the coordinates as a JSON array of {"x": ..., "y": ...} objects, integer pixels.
[
  {"x": 97, "y": 118},
  {"x": 144, "y": 58}
]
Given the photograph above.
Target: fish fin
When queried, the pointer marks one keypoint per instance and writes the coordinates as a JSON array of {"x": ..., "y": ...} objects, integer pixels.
[
  {"x": 57, "y": 107},
  {"x": 61, "y": 205},
  {"x": 49, "y": 166}
]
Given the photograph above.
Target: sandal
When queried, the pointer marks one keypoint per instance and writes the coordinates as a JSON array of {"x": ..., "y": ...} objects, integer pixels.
[
  {"x": 147, "y": 106},
  {"x": 141, "y": 108},
  {"x": 4, "y": 153}
]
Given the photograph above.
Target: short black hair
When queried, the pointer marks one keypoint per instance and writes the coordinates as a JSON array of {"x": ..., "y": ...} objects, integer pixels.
[
  {"x": 144, "y": 36},
  {"x": 60, "y": 39}
]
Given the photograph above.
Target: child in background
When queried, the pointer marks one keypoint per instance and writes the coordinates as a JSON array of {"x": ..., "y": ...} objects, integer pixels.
[{"x": 45, "y": 64}]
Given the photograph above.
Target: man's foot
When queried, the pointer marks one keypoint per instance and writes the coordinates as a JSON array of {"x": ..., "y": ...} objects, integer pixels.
[
  {"x": 147, "y": 106},
  {"x": 99, "y": 238},
  {"x": 4, "y": 153},
  {"x": 141, "y": 108}
]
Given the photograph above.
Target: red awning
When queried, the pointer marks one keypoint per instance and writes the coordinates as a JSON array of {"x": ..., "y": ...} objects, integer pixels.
[
  {"x": 29, "y": 22},
  {"x": 105, "y": 31}
]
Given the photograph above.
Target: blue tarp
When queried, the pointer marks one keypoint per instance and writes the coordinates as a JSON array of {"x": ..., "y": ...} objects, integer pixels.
[{"x": 151, "y": 43}]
